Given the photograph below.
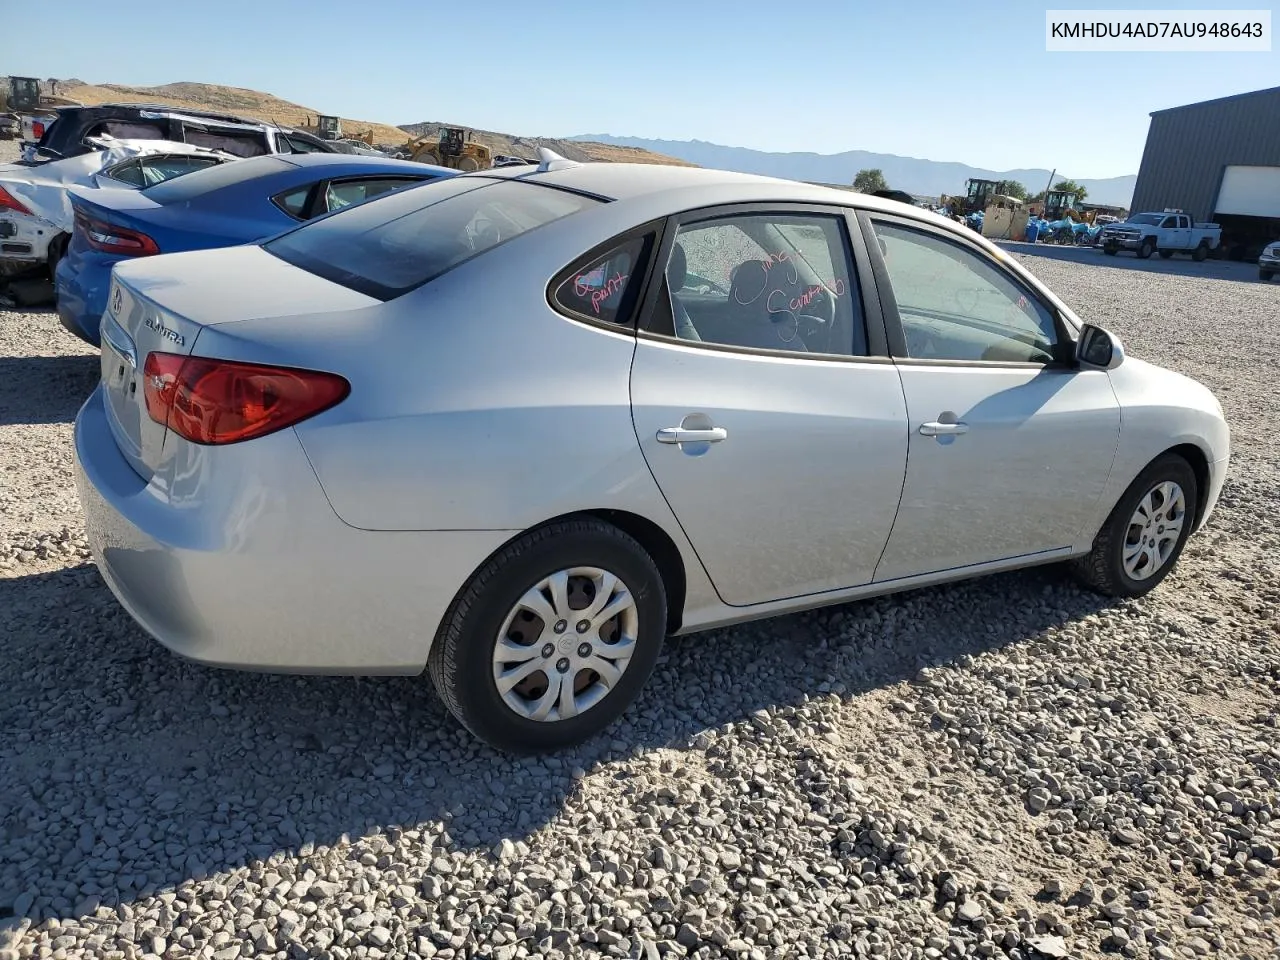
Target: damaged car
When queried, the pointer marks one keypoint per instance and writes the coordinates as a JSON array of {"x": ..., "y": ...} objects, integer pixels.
[
  {"x": 242, "y": 202},
  {"x": 36, "y": 217},
  {"x": 66, "y": 135}
]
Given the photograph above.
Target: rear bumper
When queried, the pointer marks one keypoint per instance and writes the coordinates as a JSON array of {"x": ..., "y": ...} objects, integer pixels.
[
  {"x": 81, "y": 285},
  {"x": 235, "y": 559}
]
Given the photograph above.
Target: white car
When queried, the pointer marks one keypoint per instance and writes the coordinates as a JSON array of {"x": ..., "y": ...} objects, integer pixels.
[
  {"x": 1269, "y": 261},
  {"x": 36, "y": 219},
  {"x": 516, "y": 426}
]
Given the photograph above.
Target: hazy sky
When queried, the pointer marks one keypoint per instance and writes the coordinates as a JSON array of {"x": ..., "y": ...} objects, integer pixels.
[{"x": 941, "y": 79}]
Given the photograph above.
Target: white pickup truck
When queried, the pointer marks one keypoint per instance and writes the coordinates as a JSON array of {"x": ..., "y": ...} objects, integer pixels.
[{"x": 1166, "y": 233}]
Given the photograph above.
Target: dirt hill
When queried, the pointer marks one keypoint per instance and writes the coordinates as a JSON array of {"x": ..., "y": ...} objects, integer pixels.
[{"x": 264, "y": 106}]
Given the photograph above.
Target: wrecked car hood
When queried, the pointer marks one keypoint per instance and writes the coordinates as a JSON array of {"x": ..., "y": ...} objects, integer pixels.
[{"x": 43, "y": 189}]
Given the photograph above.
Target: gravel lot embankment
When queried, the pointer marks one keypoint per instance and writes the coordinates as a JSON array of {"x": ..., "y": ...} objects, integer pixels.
[{"x": 975, "y": 770}]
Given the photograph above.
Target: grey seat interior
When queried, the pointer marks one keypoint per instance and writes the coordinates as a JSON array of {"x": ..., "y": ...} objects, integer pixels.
[
  {"x": 750, "y": 322},
  {"x": 677, "y": 271}
]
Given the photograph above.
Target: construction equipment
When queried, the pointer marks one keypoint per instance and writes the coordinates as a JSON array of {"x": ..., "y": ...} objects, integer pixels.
[
  {"x": 22, "y": 100},
  {"x": 324, "y": 127},
  {"x": 1058, "y": 203},
  {"x": 977, "y": 194},
  {"x": 457, "y": 148}
]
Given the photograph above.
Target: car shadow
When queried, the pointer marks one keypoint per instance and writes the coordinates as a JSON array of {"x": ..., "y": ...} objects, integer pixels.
[
  {"x": 1178, "y": 265},
  {"x": 36, "y": 390},
  {"x": 130, "y": 770}
]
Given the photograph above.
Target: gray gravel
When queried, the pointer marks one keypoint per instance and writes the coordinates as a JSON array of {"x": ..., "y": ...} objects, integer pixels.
[{"x": 1004, "y": 768}]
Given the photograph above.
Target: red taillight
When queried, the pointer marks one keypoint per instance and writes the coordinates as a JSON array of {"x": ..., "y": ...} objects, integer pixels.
[
  {"x": 223, "y": 401},
  {"x": 37, "y": 130},
  {"x": 9, "y": 202},
  {"x": 112, "y": 239}
]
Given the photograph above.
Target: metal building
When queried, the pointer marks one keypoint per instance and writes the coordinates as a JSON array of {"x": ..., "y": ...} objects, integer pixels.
[{"x": 1218, "y": 160}]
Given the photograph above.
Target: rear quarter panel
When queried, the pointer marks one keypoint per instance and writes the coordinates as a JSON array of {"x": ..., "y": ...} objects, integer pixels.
[{"x": 473, "y": 404}]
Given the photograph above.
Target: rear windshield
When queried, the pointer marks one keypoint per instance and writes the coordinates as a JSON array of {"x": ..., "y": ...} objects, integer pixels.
[
  {"x": 225, "y": 175},
  {"x": 392, "y": 244}
]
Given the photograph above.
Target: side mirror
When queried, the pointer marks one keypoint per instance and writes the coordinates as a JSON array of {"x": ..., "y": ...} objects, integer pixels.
[{"x": 1099, "y": 348}]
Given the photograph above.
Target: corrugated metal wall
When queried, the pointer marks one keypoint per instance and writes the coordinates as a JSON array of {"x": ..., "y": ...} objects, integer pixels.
[{"x": 1189, "y": 147}]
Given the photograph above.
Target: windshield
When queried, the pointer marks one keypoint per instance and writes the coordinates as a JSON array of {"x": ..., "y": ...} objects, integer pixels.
[
  {"x": 1151, "y": 219},
  {"x": 224, "y": 175},
  {"x": 392, "y": 244}
]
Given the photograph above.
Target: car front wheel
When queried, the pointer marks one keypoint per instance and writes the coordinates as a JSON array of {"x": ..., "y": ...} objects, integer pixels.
[
  {"x": 1145, "y": 533},
  {"x": 553, "y": 638}
]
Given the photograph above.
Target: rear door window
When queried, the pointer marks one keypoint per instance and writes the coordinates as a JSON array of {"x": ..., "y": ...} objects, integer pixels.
[
  {"x": 131, "y": 129},
  {"x": 298, "y": 145},
  {"x": 400, "y": 241},
  {"x": 247, "y": 143}
]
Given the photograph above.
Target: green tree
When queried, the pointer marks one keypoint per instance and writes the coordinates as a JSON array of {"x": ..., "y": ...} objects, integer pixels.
[
  {"x": 1013, "y": 188},
  {"x": 869, "y": 181}
]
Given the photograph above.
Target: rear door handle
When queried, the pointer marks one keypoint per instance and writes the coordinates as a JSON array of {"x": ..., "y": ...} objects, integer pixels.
[
  {"x": 935, "y": 428},
  {"x": 685, "y": 435}
]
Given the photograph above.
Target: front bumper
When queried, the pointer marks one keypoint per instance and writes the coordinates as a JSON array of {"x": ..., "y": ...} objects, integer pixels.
[
  {"x": 232, "y": 557},
  {"x": 1269, "y": 263},
  {"x": 1123, "y": 242}
]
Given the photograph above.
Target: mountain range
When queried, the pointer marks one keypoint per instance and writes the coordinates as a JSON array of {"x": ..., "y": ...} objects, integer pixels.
[{"x": 928, "y": 178}]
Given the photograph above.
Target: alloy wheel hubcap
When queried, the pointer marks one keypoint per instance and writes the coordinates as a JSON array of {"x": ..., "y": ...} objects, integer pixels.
[
  {"x": 1153, "y": 530},
  {"x": 565, "y": 644}
]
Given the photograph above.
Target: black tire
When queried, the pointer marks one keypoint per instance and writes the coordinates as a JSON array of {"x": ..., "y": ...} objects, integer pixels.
[
  {"x": 1200, "y": 253},
  {"x": 57, "y": 250},
  {"x": 1110, "y": 251},
  {"x": 1102, "y": 569},
  {"x": 1147, "y": 249},
  {"x": 1265, "y": 274},
  {"x": 461, "y": 658},
  {"x": 1166, "y": 254}
]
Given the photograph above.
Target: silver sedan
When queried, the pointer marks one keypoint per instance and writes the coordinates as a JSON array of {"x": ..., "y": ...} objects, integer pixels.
[{"x": 516, "y": 427}]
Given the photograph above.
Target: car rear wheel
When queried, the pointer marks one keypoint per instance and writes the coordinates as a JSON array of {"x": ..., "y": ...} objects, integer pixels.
[
  {"x": 1200, "y": 253},
  {"x": 553, "y": 638},
  {"x": 1144, "y": 535}
]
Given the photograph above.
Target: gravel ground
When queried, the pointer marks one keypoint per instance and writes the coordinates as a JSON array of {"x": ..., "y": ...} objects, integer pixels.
[{"x": 1007, "y": 767}]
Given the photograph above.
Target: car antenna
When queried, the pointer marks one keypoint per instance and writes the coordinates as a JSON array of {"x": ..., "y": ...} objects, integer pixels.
[{"x": 548, "y": 160}]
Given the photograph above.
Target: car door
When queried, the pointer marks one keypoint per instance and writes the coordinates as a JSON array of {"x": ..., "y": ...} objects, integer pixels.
[
  {"x": 1174, "y": 233},
  {"x": 764, "y": 403},
  {"x": 1010, "y": 443}
]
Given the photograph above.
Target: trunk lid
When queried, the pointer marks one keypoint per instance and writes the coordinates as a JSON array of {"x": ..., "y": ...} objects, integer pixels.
[{"x": 162, "y": 304}]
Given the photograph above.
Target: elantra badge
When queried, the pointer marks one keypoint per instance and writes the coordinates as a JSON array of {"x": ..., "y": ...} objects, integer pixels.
[{"x": 154, "y": 323}]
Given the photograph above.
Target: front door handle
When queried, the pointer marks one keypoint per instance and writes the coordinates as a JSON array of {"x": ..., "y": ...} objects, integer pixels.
[
  {"x": 936, "y": 428},
  {"x": 686, "y": 435}
]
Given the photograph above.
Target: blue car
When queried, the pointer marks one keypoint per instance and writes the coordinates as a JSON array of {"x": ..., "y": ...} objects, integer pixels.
[{"x": 235, "y": 203}]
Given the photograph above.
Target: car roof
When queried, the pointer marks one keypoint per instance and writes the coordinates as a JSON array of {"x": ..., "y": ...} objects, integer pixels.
[{"x": 653, "y": 181}]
